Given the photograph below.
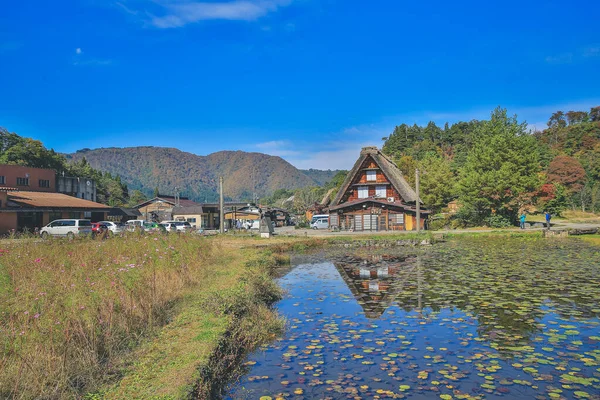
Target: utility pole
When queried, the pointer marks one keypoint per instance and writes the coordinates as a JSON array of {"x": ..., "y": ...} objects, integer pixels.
[
  {"x": 418, "y": 200},
  {"x": 221, "y": 207}
]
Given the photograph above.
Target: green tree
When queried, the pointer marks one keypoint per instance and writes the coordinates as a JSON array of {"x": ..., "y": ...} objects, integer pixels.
[
  {"x": 437, "y": 182},
  {"x": 501, "y": 169},
  {"x": 556, "y": 202},
  {"x": 408, "y": 165},
  {"x": 136, "y": 197},
  {"x": 17, "y": 150}
]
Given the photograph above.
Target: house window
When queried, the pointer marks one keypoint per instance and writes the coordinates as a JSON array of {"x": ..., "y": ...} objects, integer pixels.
[
  {"x": 53, "y": 216},
  {"x": 371, "y": 176},
  {"x": 22, "y": 181},
  {"x": 191, "y": 220},
  {"x": 363, "y": 192},
  {"x": 44, "y": 183},
  {"x": 380, "y": 191},
  {"x": 2, "y": 180},
  {"x": 75, "y": 215}
]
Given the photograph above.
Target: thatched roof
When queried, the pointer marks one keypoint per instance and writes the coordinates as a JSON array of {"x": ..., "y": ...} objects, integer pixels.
[
  {"x": 389, "y": 169},
  {"x": 327, "y": 198}
]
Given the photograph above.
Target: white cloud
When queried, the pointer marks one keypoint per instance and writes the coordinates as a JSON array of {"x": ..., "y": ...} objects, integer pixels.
[
  {"x": 93, "y": 61},
  {"x": 591, "y": 51},
  {"x": 565, "y": 58},
  {"x": 80, "y": 59},
  {"x": 179, "y": 13},
  {"x": 580, "y": 55},
  {"x": 339, "y": 150}
]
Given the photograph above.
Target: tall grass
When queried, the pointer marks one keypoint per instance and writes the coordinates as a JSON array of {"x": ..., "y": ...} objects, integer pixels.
[{"x": 68, "y": 309}]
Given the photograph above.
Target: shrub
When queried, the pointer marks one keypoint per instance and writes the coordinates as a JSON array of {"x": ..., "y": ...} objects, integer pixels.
[{"x": 497, "y": 221}]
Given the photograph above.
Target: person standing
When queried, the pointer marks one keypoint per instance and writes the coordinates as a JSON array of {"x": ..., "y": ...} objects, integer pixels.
[
  {"x": 548, "y": 216},
  {"x": 522, "y": 219}
]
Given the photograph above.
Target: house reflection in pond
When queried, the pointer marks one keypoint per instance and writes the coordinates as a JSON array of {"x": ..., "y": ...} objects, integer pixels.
[{"x": 376, "y": 280}]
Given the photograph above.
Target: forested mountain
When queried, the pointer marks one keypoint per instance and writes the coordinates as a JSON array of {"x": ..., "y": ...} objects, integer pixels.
[
  {"x": 148, "y": 168},
  {"x": 496, "y": 168},
  {"x": 322, "y": 177}
]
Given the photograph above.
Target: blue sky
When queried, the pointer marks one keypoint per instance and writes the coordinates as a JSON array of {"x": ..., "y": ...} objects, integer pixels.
[{"x": 309, "y": 80}]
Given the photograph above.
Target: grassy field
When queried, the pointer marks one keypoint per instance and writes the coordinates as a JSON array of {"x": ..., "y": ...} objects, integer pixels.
[
  {"x": 130, "y": 317},
  {"x": 162, "y": 317},
  {"x": 569, "y": 215}
]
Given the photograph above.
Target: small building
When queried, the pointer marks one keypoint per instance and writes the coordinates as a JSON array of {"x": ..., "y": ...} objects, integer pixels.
[
  {"x": 279, "y": 216},
  {"x": 244, "y": 214},
  {"x": 123, "y": 214},
  {"x": 25, "y": 210},
  {"x": 28, "y": 178},
  {"x": 203, "y": 216},
  {"x": 161, "y": 207},
  {"x": 82, "y": 188},
  {"x": 375, "y": 197}
]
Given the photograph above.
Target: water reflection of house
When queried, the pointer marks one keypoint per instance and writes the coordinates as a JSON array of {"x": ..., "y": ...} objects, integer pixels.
[
  {"x": 374, "y": 281},
  {"x": 375, "y": 196}
]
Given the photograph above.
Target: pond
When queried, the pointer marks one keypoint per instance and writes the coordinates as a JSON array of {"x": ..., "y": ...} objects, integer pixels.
[{"x": 471, "y": 318}]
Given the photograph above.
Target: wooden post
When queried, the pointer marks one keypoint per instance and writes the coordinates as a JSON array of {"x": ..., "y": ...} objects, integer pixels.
[
  {"x": 418, "y": 200},
  {"x": 221, "y": 207}
]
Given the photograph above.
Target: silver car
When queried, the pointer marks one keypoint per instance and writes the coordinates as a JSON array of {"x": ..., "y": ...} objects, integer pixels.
[
  {"x": 113, "y": 227},
  {"x": 67, "y": 227}
]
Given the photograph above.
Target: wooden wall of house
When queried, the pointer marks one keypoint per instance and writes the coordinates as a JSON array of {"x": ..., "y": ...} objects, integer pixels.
[
  {"x": 8, "y": 221},
  {"x": 390, "y": 192},
  {"x": 387, "y": 220},
  {"x": 361, "y": 177}
]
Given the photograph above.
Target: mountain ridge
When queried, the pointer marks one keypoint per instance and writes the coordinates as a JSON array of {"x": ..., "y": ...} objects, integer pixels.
[{"x": 246, "y": 174}]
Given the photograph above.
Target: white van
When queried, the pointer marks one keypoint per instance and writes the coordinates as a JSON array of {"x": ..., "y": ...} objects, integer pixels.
[
  {"x": 317, "y": 217},
  {"x": 321, "y": 223},
  {"x": 67, "y": 227},
  {"x": 135, "y": 224}
]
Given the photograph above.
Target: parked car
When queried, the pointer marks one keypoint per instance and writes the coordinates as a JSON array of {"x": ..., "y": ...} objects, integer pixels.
[
  {"x": 154, "y": 227},
  {"x": 67, "y": 227},
  {"x": 181, "y": 226},
  {"x": 321, "y": 223},
  {"x": 114, "y": 227},
  {"x": 317, "y": 217},
  {"x": 134, "y": 224},
  {"x": 99, "y": 228},
  {"x": 169, "y": 226}
]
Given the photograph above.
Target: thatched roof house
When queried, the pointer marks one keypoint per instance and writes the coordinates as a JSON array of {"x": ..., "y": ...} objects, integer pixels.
[{"x": 375, "y": 196}]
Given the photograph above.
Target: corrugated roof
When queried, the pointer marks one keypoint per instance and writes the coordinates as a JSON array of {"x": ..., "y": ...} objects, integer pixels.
[
  {"x": 52, "y": 200},
  {"x": 194, "y": 210},
  {"x": 183, "y": 202},
  {"x": 123, "y": 211}
]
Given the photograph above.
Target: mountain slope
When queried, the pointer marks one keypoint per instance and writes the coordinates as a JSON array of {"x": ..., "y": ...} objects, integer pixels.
[
  {"x": 322, "y": 177},
  {"x": 145, "y": 168}
]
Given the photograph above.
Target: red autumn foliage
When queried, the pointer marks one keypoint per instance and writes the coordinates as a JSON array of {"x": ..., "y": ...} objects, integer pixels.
[
  {"x": 547, "y": 192},
  {"x": 567, "y": 171}
]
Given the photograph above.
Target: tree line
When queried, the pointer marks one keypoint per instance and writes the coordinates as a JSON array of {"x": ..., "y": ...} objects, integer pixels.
[{"x": 497, "y": 168}]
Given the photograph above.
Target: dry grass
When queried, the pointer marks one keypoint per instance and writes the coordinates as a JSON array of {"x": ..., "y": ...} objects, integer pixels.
[{"x": 70, "y": 310}]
